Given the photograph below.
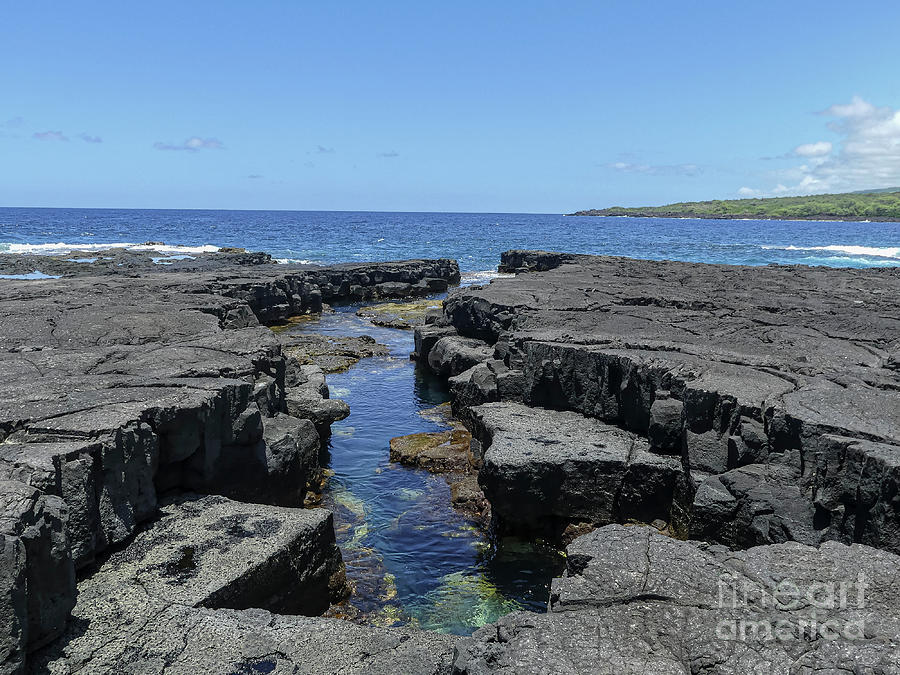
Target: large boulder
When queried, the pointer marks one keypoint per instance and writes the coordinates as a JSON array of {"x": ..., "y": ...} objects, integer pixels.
[
  {"x": 452, "y": 355},
  {"x": 543, "y": 470}
]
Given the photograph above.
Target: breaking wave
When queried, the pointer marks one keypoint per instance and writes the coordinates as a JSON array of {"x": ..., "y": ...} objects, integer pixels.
[
  {"x": 62, "y": 248},
  {"x": 892, "y": 252},
  {"x": 482, "y": 277}
]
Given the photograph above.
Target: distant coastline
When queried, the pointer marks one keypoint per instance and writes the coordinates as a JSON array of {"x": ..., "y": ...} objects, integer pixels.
[
  {"x": 874, "y": 206},
  {"x": 812, "y": 219}
]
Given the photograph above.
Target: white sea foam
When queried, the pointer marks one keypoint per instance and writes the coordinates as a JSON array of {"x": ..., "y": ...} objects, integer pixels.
[
  {"x": 871, "y": 251},
  {"x": 482, "y": 277},
  {"x": 295, "y": 261},
  {"x": 60, "y": 248}
]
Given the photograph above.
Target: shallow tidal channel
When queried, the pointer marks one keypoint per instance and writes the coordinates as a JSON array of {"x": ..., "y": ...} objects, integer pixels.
[{"x": 411, "y": 557}]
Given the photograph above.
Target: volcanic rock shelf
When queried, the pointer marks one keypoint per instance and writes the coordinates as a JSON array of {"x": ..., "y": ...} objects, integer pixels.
[
  {"x": 776, "y": 388},
  {"x": 130, "y": 380}
]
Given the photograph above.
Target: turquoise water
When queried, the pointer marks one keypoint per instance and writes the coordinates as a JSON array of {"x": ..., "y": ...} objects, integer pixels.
[
  {"x": 476, "y": 240},
  {"x": 414, "y": 559}
]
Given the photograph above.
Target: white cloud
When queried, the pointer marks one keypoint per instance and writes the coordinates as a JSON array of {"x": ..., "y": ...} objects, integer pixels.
[
  {"x": 856, "y": 108},
  {"x": 749, "y": 192},
  {"x": 866, "y": 154},
  {"x": 819, "y": 149},
  {"x": 193, "y": 144}
]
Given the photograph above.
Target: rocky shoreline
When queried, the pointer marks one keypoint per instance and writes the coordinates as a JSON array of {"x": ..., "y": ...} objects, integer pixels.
[
  {"x": 125, "y": 385},
  {"x": 157, "y": 442},
  {"x": 751, "y": 409},
  {"x": 602, "y": 213}
]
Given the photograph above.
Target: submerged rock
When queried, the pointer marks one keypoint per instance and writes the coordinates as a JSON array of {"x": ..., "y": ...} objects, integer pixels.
[
  {"x": 403, "y": 315},
  {"x": 331, "y": 354},
  {"x": 436, "y": 451}
]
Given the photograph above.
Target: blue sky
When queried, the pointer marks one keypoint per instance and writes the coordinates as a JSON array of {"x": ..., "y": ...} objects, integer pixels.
[{"x": 424, "y": 106}]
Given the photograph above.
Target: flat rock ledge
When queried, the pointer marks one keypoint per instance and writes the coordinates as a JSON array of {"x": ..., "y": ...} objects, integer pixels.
[
  {"x": 127, "y": 382},
  {"x": 776, "y": 390},
  {"x": 751, "y": 412},
  {"x": 636, "y": 601}
]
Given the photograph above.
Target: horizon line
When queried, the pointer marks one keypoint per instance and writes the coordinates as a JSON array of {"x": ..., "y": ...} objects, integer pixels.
[{"x": 157, "y": 208}]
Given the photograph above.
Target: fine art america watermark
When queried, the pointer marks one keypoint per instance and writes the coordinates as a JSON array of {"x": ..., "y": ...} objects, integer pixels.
[{"x": 791, "y": 610}]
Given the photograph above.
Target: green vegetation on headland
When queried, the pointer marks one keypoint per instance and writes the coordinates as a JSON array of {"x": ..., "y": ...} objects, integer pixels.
[{"x": 876, "y": 205}]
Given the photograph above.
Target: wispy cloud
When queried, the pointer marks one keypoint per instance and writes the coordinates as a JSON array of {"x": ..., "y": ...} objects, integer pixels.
[
  {"x": 192, "y": 144},
  {"x": 865, "y": 155},
  {"x": 322, "y": 150},
  {"x": 388, "y": 154},
  {"x": 10, "y": 128},
  {"x": 49, "y": 136},
  {"x": 254, "y": 176},
  {"x": 60, "y": 136},
  {"x": 656, "y": 169}
]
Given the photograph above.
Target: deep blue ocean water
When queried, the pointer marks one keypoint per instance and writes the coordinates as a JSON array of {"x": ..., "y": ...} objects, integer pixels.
[
  {"x": 413, "y": 559},
  {"x": 476, "y": 240}
]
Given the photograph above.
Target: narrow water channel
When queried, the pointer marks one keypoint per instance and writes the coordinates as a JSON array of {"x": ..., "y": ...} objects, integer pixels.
[{"x": 412, "y": 558}]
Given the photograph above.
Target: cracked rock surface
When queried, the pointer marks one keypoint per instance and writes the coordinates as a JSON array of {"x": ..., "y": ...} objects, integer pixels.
[
  {"x": 636, "y": 601},
  {"x": 130, "y": 380},
  {"x": 777, "y": 388}
]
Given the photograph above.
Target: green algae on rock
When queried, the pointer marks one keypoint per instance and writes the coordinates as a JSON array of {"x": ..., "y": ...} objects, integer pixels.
[
  {"x": 331, "y": 354},
  {"x": 404, "y": 315},
  {"x": 436, "y": 451},
  {"x": 464, "y": 602}
]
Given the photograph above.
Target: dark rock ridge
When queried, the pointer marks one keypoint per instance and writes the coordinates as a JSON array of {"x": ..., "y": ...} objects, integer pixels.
[
  {"x": 775, "y": 388},
  {"x": 121, "y": 387},
  {"x": 635, "y": 601}
]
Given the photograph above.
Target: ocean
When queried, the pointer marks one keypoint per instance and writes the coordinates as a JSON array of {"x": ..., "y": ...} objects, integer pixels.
[{"x": 474, "y": 239}]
